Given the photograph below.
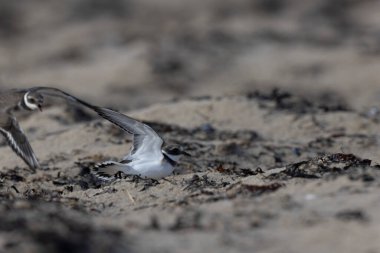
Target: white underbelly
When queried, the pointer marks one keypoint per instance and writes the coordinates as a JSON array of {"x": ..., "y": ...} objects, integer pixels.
[{"x": 151, "y": 169}]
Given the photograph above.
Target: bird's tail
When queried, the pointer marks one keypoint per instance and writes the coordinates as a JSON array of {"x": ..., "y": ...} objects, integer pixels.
[{"x": 108, "y": 170}]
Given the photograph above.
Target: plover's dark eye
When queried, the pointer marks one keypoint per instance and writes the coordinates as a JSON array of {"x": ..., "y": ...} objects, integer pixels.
[{"x": 175, "y": 151}]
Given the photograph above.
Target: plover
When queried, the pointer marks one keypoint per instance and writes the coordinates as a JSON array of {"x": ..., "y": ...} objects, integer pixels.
[
  {"x": 148, "y": 157},
  {"x": 25, "y": 99}
]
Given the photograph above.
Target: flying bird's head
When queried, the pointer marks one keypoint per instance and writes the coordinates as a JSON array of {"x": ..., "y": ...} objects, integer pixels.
[
  {"x": 33, "y": 101},
  {"x": 174, "y": 153}
]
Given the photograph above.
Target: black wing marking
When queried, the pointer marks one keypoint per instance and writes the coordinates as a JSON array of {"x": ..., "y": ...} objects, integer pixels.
[
  {"x": 107, "y": 170},
  {"x": 19, "y": 143}
]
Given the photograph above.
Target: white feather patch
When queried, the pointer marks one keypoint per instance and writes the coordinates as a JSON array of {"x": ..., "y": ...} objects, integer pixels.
[{"x": 31, "y": 106}]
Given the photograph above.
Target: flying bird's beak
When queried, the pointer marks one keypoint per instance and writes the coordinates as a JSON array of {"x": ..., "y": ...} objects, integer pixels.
[{"x": 185, "y": 153}]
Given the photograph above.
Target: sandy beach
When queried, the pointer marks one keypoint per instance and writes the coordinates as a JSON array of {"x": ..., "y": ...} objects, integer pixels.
[{"x": 277, "y": 101}]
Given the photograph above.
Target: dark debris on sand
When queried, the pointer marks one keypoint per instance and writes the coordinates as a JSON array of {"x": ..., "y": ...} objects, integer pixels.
[
  {"x": 286, "y": 101},
  {"x": 331, "y": 166}
]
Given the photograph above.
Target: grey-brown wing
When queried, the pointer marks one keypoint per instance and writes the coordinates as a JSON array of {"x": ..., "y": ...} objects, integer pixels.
[
  {"x": 19, "y": 143},
  {"x": 145, "y": 139}
]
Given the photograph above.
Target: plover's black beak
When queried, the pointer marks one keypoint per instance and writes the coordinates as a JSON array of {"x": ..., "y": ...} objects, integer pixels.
[{"x": 185, "y": 153}]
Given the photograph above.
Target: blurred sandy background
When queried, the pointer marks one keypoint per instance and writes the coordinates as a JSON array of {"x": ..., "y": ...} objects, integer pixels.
[{"x": 129, "y": 54}]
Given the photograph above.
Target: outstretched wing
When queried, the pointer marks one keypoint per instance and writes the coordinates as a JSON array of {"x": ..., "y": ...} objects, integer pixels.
[
  {"x": 145, "y": 140},
  {"x": 19, "y": 143},
  {"x": 147, "y": 143}
]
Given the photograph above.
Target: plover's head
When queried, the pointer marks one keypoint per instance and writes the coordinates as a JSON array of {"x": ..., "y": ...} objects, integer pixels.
[
  {"x": 174, "y": 153},
  {"x": 33, "y": 101}
]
